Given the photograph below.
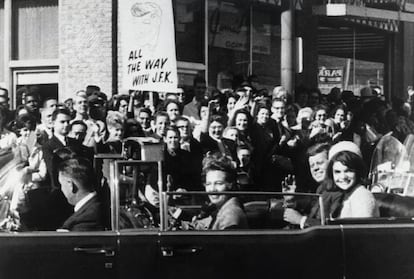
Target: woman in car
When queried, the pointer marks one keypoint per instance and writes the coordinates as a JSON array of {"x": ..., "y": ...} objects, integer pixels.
[
  {"x": 224, "y": 211},
  {"x": 346, "y": 171}
]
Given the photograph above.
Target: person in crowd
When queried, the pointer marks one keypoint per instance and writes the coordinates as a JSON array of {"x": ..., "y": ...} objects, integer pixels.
[
  {"x": 69, "y": 105},
  {"x": 213, "y": 140},
  {"x": 144, "y": 119},
  {"x": 242, "y": 120},
  {"x": 338, "y": 120},
  {"x": 132, "y": 128},
  {"x": 61, "y": 124},
  {"x": 96, "y": 128},
  {"x": 225, "y": 212},
  {"x": 77, "y": 130},
  {"x": 192, "y": 109},
  {"x": 245, "y": 169},
  {"x": 31, "y": 151},
  {"x": 7, "y": 138},
  {"x": 263, "y": 141},
  {"x": 32, "y": 103},
  {"x": 319, "y": 125},
  {"x": 122, "y": 104},
  {"x": 177, "y": 162},
  {"x": 161, "y": 122},
  {"x": 231, "y": 133},
  {"x": 50, "y": 102},
  {"x": 173, "y": 110},
  {"x": 115, "y": 123},
  {"x": 79, "y": 187},
  {"x": 45, "y": 128}
]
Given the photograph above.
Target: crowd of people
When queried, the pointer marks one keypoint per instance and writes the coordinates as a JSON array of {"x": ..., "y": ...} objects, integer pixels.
[{"x": 265, "y": 135}]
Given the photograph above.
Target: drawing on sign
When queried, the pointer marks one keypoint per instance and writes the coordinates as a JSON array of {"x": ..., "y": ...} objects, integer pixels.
[{"x": 148, "y": 16}]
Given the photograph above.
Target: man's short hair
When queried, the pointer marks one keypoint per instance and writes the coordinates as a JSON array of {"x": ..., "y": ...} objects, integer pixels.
[
  {"x": 161, "y": 114},
  {"x": 81, "y": 171},
  {"x": 78, "y": 122},
  {"x": 58, "y": 111},
  {"x": 146, "y": 110},
  {"x": 318, "y": 148},
  {"x": 48, "y": 99}
]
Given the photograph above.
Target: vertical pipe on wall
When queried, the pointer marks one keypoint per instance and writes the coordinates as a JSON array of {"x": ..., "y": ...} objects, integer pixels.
[
  {"x": 287, "y": 45},
  {"x": 114, "y": 46},
  {"x": 7, "y": 49},
  {"x": 250, "y": 69},
  {"x": 206, "y": 41}
]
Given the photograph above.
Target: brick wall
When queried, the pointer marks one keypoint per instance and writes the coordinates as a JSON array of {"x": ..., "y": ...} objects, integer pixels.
[{"x": 85, "y": 45}]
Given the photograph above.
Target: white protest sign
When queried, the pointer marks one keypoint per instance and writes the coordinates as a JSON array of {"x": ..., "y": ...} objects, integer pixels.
[{"x": 148, "y": 45}]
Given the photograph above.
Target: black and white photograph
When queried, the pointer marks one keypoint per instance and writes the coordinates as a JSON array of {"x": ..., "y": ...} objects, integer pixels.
[{"x": 206, "y": 139}]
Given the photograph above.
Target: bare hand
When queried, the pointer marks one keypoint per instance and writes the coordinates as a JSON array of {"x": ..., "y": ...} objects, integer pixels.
[
  {"x": 292, "y": 216},
  {"x": 289, "y": 186}
]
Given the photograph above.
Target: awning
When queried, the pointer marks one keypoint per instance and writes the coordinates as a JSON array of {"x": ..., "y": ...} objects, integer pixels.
[{"x": 366, "y": 14}]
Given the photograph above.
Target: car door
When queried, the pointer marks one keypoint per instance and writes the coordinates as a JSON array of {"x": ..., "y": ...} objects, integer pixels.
[
  {"x": 51, "y": 255},
  {"x": 379, "y": 250},
  {"x": 274, "y": 251},
  {"x": 310, "y": 253}
]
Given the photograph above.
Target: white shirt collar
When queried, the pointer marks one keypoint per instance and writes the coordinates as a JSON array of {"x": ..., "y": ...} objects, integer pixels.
[
  {"x": 84, "y": 200},
  {"x": 61, "y": 139}
]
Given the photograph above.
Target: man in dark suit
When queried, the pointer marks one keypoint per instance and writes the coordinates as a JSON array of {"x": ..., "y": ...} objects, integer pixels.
[
  {"x": 76, "y": 176},
  {"x": 61, "y": 123},
  {"x": 56, "y": 209}
]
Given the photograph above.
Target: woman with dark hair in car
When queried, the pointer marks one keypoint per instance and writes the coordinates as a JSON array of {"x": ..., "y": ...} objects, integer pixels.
[
  {"x": 224, "y": 211},
  {"x": 346, "y": 173}
]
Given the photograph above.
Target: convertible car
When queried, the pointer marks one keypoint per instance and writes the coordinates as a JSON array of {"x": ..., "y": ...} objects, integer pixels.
[{"x": 142, "y": 242}]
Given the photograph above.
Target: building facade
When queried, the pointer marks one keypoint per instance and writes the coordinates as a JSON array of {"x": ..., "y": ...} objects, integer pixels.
[{"x": 57, "y": 47}]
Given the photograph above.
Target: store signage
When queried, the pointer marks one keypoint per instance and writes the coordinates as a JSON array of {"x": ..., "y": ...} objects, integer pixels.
[
  {"x": 329, "y": 78},
  {"x": 147, "y": 45},
  {"x": 229, "y": 28}
]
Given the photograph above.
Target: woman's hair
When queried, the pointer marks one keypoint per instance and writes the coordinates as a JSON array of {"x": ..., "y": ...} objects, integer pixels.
[
  {"x": 173, "y": 129},
  {"x": 120, "y": 98},
  {"x": 168, "y": 102},
  {"x": 259, "y": 107},
  {"x": 114, "y": 118},
  {"x": 241, "y": 111},
  {"x": 219, "y": 162},
  {"x": 25, "y": 121},
  {"x": 317, "y": 108},
  {"x": 217, "y": 118},
  {"x": 342, "y": 107},
  {"x": 351, "y": 160}
]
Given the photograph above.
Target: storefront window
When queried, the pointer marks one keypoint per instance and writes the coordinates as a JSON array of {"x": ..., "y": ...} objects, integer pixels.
[
  {"x": 244, "y": 39},
  {"x": 266, "y": 45},
  {"x": 35, "y": 29},
  {"x": 189, "y": 30},
  {"x": 228, "y": 41},
  {"x": 350, "y": 59}
]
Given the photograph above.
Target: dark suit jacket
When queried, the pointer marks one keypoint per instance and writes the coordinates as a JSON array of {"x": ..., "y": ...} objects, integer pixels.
[
  {"x": 90, "y": 217},
  {"x": 52, "y": 161}
]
